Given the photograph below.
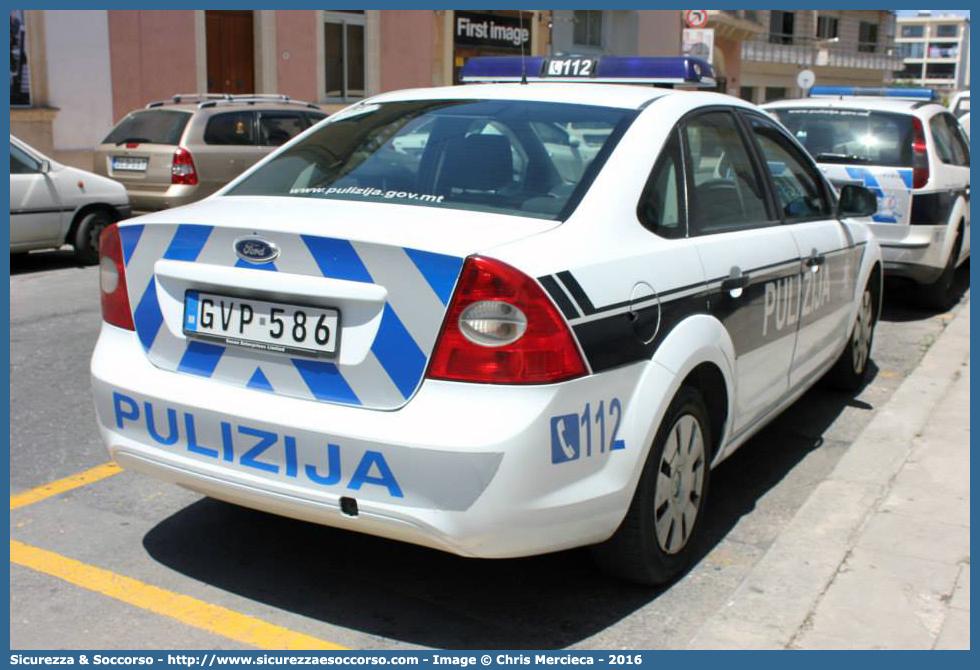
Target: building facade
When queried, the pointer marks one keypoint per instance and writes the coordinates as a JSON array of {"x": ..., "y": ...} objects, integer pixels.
[
  {"x": 595, "y": 32},
  {"x": 935, "y": 51},
  {"x": 80, "y": 71},
  {"x": 762, "y": 51}
]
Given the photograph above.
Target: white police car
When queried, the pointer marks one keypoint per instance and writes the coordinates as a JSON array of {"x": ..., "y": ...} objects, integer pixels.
[
  {"x": 914, "y": 155},
  {"x": 467, "y": 348}
]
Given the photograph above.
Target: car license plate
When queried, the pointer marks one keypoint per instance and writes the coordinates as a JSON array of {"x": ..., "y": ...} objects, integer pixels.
[
  {"x": 257, "y": 324},
  {"x": 129, "y": 163}
]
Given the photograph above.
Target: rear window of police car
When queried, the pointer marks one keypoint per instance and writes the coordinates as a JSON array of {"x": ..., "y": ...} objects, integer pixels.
[
  {"x": 851, "y": 135},
  {"x": 158, "y": 126},
  {"x": 511, "y": 157}
]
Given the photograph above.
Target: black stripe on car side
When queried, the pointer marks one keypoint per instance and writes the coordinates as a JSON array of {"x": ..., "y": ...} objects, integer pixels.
[
  {"x": 619, "y": 339},
  {"x": 576, "y": 292},
  {"x": 558, "y": 295},
  {"x": 932, "y": 209},
  {"x": 42, "y": 210}
]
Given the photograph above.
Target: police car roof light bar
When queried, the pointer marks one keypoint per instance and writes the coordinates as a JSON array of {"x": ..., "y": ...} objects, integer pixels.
[
  {"x": 861, "y": 91},
  {"x": 655, "y": 71}
]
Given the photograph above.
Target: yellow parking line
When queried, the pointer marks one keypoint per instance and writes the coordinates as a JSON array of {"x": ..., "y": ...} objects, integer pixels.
[
  {"x": 67, "y": 484},
  {"x": 187, "y": 610}
]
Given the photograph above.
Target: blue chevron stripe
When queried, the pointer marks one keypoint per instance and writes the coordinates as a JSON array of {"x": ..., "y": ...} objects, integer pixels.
[
  {"x": 129, "y": 236},
  {"x": 260, "y": 382},
  {"x": 325, "y": 381},
  {"x": 337, "y": 258},
  {"x": 147, "y": 316},
  {"x": 439, "y": 270},
  {"x": 187, "y": 242},
  {"x": 200, "y": 358},
  {"x": 398, "y": 353}
]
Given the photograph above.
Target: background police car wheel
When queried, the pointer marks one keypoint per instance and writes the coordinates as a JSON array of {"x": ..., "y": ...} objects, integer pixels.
[
  {"x": 656, "y": 540},
  {"x": 939, "y": 294},
  {"x": 87, "y": 234},
  {"x": 851, "y": 369}
]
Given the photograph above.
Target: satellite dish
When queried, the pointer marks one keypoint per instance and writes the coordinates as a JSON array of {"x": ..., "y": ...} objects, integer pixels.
[{"x": 806, "y": 79}]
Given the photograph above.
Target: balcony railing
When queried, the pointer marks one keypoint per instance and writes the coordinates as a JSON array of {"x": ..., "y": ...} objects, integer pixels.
[{"x": 795, "y": 50}]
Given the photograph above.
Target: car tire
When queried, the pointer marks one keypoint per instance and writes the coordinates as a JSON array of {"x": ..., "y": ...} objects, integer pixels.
[
  {"x": 87, "y": 234},
  {"x": 657, "y": 539},
  {"x": 850, "y": 372},
  {"x": 939, "y": 294}
]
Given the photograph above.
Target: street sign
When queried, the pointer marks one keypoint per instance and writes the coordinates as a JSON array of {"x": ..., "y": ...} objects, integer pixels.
[
  {"x": 805, "y": 79},
  {"x": 695, "y": 18}
]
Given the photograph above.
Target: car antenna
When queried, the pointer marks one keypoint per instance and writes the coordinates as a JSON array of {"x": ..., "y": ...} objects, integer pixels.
[{"x": 523, "y": 63}]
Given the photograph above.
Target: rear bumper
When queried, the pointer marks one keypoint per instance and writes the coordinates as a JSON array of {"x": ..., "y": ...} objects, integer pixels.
[
  {"x": 916, "y": 252},
  {"x": 465, "y": 468},
  {"x": 174, "y": 196}
]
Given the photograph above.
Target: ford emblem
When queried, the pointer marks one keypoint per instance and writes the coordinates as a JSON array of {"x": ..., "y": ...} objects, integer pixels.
[{"x": 256, "y": 250}]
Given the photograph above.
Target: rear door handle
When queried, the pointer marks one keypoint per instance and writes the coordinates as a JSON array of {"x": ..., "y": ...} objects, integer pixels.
[
  {"x": 735, "y": 282},
  {"x": 815, "y": 260}
]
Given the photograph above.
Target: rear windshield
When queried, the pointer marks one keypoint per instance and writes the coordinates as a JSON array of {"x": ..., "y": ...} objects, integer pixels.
[
  {"x": 523, "y": 158},
  {"x": 851, "y": 135},
  {"x": 154, "y": 126}
]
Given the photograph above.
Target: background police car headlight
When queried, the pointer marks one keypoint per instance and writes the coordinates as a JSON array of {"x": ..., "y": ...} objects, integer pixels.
[{"x": 492, "y": 323}]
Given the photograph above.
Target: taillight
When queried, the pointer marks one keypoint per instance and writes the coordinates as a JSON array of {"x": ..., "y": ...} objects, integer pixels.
[
  {"x": 501, "y": 328},
  {"x": 920, "y": 158},
  {"x": 112, "y": 280},
  {"x": 183, "y": 170}
]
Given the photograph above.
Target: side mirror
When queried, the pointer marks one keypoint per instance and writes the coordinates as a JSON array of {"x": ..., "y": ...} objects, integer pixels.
[
  {"x": 45, "y": 166},
  {"x": 856, "y": 201}
]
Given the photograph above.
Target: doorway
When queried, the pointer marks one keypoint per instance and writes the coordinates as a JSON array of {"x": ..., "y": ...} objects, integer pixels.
[{"x": 230, "y": 51}]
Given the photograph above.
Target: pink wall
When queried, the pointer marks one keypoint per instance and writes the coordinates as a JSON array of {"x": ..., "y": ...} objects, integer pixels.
[
  {"x": 151, "y": 55},
  {"x": 297, "y": 32},
  {"x": 408, "y": 38}
]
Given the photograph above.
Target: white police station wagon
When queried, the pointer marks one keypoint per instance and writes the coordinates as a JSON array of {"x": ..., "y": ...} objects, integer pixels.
[
  {"x": 488, "y": 338},
  {"x": 914, "y": 155}
]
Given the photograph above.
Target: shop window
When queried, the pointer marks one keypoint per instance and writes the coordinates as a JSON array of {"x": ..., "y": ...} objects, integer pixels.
[
  {"x": 343, "y": 42},
  {"x": 747, "y": 93},
  {"x": 588, "y": 27}
]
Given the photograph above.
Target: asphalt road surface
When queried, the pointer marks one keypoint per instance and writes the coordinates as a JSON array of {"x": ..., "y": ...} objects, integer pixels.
[{"x": 341, "y": 587}]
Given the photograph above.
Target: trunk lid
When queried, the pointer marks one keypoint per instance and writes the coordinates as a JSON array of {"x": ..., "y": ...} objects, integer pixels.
[{"x": 389, "y": 270}]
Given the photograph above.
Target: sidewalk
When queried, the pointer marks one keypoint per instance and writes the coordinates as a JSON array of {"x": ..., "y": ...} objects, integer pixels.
[{"x": 878, "y": 557}]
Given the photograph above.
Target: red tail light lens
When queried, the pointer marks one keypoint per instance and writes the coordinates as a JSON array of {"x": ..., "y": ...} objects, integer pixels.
[
  {"x": 501, "y": 328},
  {"x": 183, "y": 170},
  {"x": 112, "y": 280},
  {"x": 920, "y": 159}
]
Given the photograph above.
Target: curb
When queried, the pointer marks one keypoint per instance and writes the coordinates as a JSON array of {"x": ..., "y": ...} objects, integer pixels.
[{"x": 775, "y": 599}]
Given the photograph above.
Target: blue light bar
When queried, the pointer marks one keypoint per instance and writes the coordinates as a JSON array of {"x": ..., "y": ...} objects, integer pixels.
[
  {"x": 606, "y": 69},
  {"x": 860, "y": 91}
]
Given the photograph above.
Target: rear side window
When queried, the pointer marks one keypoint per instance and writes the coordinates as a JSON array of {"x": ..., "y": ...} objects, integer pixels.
[
  {"x": 661, "y": 204},
  {"x": 797, "y": 184},
  {"x": 314, "y": 117},
  {"x": 277, "y": 128},
  {"x": 726, "y": 192},
  {"x": 856, "y": 136},
  {"x": 949, "y": 147},
  {"x": 152, "y": 126},
  {"x": 230, "y": 128},
  {"x": 962, "y": 106}
]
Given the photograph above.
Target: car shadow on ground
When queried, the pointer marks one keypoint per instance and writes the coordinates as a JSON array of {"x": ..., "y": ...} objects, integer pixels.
[
  {"x": 901, "y": 301},
  {"x": 426, "y": 597},
  {"x": 41, "y": 261}
]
